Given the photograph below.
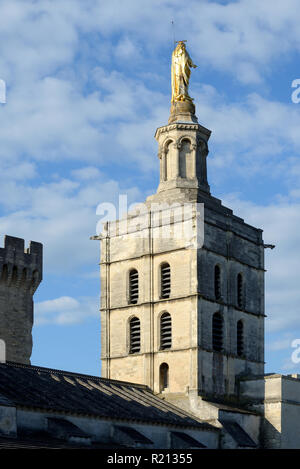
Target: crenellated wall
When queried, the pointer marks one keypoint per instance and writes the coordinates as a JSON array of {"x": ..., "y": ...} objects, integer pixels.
[{"x": 20, "y": 275}]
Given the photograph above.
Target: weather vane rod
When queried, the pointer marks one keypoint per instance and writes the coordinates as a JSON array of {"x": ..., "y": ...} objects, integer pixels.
[{"x": 173, "y": 29}]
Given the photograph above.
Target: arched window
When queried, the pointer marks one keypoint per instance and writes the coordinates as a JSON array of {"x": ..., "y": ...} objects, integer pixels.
[
  {"x": 217, "y": 332},
  {"x": 240, "y": 337},
  {"x": 133, "y": 286},
  {"x": 165, "y": 331},
  {"x": 135, "y": 335},
  {"x": 163, "y": 376},
  {"x": 217, "y": 282},
  {"x": 240, "y": 290},
  {"x": 165, "y": 275}
]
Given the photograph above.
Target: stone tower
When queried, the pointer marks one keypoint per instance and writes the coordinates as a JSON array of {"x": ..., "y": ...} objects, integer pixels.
[
  {"x": 21, "y": 274},
  {"x": 183, "y": 317}
]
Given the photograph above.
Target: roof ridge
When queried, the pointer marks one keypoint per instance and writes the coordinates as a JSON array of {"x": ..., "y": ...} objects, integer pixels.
[{"x": 73, "y": 373}]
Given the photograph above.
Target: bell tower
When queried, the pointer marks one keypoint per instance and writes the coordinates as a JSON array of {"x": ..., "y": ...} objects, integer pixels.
[
  {"x": 184, "y": 318},
  {"x": 182, "y": 152}
]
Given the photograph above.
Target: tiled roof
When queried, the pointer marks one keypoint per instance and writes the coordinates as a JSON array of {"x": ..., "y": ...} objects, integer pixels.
[
  {"x": 62, "y": 391},
  {"x": 44, "y": 441}
]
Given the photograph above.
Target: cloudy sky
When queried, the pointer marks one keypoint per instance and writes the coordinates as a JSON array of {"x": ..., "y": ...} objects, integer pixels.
[{"x": 88, "y": 83}]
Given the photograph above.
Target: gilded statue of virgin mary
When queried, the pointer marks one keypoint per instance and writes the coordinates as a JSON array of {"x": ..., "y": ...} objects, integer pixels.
[{"x": 180, "y": 73}]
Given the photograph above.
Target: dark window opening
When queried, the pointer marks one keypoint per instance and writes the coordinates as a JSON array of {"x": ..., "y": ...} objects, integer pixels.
[
  {"x": 4, "y": 275},
  {"x": 135, "y": 335},
  {"x": 14, "y": 277},
  {"x": 240, "y": 290},
  {"x": 165, "y": 331},
  {"x": 240, "y": 338},
  {"x": 217, "y": 332},
  {"x": 164, "y": 376},
  {"x": 133, "y": 286},
  {"x": 165, "y": 281},
  {"x": 217, "y": 282}
]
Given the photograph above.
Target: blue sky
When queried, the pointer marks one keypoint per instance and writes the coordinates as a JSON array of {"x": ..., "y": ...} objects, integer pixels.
[{"x": 88, "y": 83}]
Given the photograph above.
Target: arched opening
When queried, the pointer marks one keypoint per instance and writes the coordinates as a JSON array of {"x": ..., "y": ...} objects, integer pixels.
[
  {"x": 163, "y": 376},
  {"x": 240, "y": 338},
  {"x": 217, "y": 332},
  {"x": 240, "y": 290},
  {"x": 165, "y": 331},
  {"x": 185, "y": 168},
  {"x": 135, "y": 335},
  {"x": 182, "y": 159},
  {"x": 217, "y": 282},
  {"x": 133, "y": 286},
  {"x": 165, "y": 276}
]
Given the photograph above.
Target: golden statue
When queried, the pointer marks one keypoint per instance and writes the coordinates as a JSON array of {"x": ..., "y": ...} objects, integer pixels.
[{"x": 180, "y": 73}]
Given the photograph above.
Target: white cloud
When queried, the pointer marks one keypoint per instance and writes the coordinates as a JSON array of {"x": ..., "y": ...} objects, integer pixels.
[
  {"x": 50, "y": 116},
  {"x": 65, "y": 310},
  {"x": 69, "y": 99},
  {"x": 45, "y": 34},
  {"x": 86, "y": 173},
  {"x": 62, "y": 216},
  {"x": 284, "y": 343},
  {"x": 281, "y": 225}
]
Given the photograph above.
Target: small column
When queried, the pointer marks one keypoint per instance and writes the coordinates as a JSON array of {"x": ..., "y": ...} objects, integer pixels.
[
  {"x": 201, "y": 174},
  {"x": 194, "y": 159},
  {"x": 161, "y": 165},
  {"x": 205, "y": 167},
  {"x": 176, "y": 147}
]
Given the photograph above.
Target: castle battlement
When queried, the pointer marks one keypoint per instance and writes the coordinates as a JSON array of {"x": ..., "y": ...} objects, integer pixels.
[
  {"x": 19, "y": 266},
  {"x": 21, "y": 271},
  {"x": 17, "y": 245}
]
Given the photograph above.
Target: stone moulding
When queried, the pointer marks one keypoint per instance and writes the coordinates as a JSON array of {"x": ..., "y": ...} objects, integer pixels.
[{"x": 181, "y": 126}]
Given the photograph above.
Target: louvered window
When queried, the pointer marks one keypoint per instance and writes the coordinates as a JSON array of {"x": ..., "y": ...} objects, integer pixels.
[
  {"x": 240, "y": 290},
  {"x": 133, "y": 286},
  {"x": 240, "y": 338},
  {"x": 217, "y": 282},
  {"x": 165, "y": 281},
  {"x": 135, "y": 335},
  {"x": 164, "y": 376},
  {"x": 217, "y": 332},
  {"x": 165, "y": 331}
]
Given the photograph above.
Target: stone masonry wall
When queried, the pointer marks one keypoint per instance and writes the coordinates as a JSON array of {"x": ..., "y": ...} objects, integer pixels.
[{"x": 20, "y": 275}]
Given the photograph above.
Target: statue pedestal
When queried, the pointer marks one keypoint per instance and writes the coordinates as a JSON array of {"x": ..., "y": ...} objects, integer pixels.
[{"x": 182, "y": 111}]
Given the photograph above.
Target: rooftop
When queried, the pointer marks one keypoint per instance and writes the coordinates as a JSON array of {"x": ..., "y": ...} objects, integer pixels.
[{"x": 27, "y": 386}]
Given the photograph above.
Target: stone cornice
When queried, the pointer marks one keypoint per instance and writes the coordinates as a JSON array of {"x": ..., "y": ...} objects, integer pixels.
[{"x": 182, "y": 126}]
